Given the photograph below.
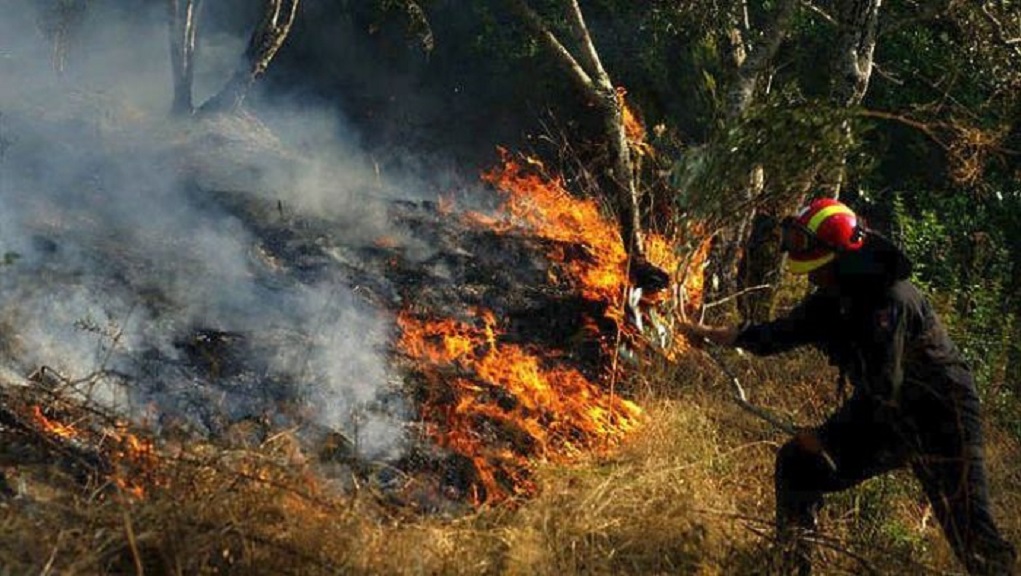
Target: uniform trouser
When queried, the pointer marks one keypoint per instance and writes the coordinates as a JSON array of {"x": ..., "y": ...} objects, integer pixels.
[{"x": 939, "y": 438}]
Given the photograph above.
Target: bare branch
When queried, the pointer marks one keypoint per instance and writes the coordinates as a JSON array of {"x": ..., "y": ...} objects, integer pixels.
[
  {"x": 920, "y": 126},
  {"x": 597, "y": 85},
  {"x": 736, "y": 295},
  {"x": 588, "y": 49},
  {"x": 742, "y": 398},
  {"x": 563, "y": 55},
  {"x": 822, "y": 13}
]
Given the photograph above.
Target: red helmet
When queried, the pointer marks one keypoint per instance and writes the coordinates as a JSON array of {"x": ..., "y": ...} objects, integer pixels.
[{"x": 818, "y": 232}]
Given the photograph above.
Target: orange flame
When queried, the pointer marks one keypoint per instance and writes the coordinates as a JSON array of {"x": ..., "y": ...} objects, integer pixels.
[
  {"x": 694, "y": 280},
  {"x": 500, "y": 405},
  {"x": 633, "y": 128},
  {"x": 134, "y": 459},
  {"x": 549, "y": 211},
  {"x": 507, "y": 406},
  {"x": 52, "y": 427}
]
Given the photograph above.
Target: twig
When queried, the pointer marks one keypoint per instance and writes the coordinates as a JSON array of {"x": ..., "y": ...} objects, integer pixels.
[
  {"x": 829, "y": 543},
  {"x": 53, "y": 556},
  {"x": 881, "y": 70},
  {"x": 133, "y": 543},
  {"x": 737, "y": 294},
  {"x": 835, "y": 545},
  {"x": 825, "y": 16},
  {"x": 115, "y": 340}
]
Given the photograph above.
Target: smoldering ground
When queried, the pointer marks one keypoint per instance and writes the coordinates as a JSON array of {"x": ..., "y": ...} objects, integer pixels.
[{"x": 147, "y": 257}]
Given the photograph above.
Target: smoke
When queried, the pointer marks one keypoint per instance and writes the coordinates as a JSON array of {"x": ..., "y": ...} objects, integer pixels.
[{"x": 158, "y": 260}]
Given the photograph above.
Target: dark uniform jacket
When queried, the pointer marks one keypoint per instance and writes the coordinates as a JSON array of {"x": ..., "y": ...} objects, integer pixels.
[
  {"x": 876, "y": 328},
  {"x": 914, "y": 402}
]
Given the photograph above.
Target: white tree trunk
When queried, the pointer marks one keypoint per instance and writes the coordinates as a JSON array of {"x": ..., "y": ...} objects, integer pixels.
[
  {"x": 183, "y": 26},
  {"x": 857, "y": 22},
  {"x": 749, "y": 65},
  {"x": 274, "y": 27}
]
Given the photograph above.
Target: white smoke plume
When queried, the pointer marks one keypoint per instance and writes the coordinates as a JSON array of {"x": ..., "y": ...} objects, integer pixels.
[{"x": 131, "y": 244}]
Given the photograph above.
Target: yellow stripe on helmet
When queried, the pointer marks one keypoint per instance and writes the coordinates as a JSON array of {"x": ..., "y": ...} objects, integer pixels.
[
  {"x": 806, "y": 266},
  {"x": 819, "y": 217}
]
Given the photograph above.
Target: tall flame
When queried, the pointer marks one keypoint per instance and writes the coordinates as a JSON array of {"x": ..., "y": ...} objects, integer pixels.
[
  {"x": 548, "y": 210},
  {"x": 501, "y": 405}
]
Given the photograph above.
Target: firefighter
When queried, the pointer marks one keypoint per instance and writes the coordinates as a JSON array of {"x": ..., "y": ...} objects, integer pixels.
[{"x": 913, "y": 401}]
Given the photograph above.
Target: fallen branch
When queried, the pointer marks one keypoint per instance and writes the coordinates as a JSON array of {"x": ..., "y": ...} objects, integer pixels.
[{"x": 831, "y": 543}]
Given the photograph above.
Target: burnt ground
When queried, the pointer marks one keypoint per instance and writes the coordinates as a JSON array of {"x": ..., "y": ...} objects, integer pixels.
[{"x": 217, "y": 381}]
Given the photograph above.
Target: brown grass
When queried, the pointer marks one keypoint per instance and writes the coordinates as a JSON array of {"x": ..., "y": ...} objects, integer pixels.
[{"x": 689, "y": 493}]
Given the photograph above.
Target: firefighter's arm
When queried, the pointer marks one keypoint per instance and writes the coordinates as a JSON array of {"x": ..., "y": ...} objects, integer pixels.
[
  {"x": 803, "y": 325},
  {"x": 799, "y": 327},
  {"x": 721, "y": 335}
]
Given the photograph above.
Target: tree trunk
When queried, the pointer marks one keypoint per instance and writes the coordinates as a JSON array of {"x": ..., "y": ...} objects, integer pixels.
[
  {"x": 750, "y": 63},
  {"x": 856, "y": 42},
  {"x": 60, "y": 24},
  {"x": 183, "y": 24},
  {"x": 623, "y": 175},
  {"x": 586, "y": 70},
  {"x": 748, "y": 66},
  {"x": 274, "y": 27},
  {"x": 851, "y": 69},
  {"x": 857, "y": 22}
]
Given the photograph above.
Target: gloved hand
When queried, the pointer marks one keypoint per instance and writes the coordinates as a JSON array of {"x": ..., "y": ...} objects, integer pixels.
[
  {"x": 810, "y": 442},
  {"x": 647, "y": 276}
]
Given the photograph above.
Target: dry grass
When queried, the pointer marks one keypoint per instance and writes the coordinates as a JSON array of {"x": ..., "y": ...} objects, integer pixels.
[{"x": 689, "y": 493}]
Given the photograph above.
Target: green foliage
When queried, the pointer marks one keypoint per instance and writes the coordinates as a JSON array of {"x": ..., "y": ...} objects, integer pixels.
[
  {"x": 924, "y": 239},
  {"x": 963, "y": 256},
  {"x": 794, "y": 139}
]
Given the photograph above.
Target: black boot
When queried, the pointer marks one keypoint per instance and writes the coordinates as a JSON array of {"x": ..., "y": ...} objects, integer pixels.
[{"x": 795, "y": 531}]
